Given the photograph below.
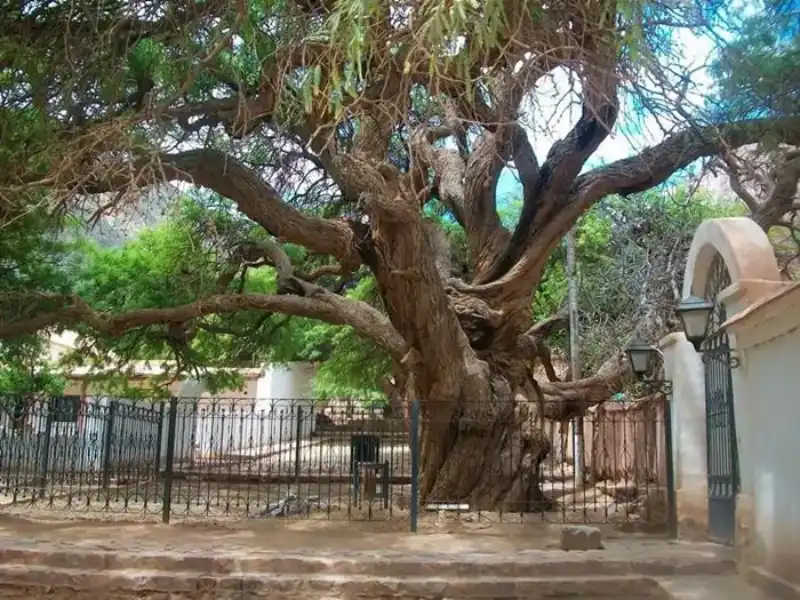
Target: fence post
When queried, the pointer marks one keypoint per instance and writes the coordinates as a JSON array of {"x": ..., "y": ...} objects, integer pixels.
[
  {"x": 385, "y": 484},
  {"x": 107, "y": 443},
  {"x": 414, "y": 443},
  {"x": 298, "y": 431},
  {"x": 48, "y": 432},
  {"x": 672, "y": 506},
  {"x": 159, "y": 440},
  {"x": 170, "y": 460}
]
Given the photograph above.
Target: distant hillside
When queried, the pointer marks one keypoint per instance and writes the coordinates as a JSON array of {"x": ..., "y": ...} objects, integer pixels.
[{"x": 126, "y": 222}]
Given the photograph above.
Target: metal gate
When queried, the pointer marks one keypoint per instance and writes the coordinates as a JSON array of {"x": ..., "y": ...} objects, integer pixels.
[{"x": 722, "y": 458}]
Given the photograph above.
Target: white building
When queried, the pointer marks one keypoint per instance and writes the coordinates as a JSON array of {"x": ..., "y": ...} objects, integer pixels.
[{"x": 86, "y": 431}]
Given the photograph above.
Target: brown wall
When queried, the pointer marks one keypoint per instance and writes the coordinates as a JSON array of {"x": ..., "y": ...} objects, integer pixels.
[
  {"x": 622, "y": 442},
  {"x": 626, "y": 441}
]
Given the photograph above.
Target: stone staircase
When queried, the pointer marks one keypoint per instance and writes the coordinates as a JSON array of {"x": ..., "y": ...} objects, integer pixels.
[
  {"x": 532, "y": 575},
  {"x": 710, "y": 587}
]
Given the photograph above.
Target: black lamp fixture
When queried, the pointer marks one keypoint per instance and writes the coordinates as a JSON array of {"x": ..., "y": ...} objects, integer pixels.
[
  {"x": 640, "y": 353},
  {"x": 695, "y": 314}
]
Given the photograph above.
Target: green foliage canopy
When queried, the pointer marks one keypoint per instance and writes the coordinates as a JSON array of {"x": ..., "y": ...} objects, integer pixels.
[
  {"x": 757, "y": 73},
  {"x": 183, "y": 258}
]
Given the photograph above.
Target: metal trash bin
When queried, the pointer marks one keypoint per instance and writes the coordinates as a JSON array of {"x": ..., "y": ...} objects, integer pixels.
[{"x": 364, "y": 448}]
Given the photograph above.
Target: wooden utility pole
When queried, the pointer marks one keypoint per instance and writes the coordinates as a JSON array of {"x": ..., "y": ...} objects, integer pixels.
[{"x": 574, "y": 353}]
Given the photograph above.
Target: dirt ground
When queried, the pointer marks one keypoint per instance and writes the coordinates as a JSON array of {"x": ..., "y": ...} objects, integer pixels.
[
  {"x": 292, "y": 536},
  {"x": 221, "y": 502}
]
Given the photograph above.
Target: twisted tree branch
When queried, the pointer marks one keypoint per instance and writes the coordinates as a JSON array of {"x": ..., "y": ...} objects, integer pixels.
[
  {"x": 257, "y": 199},
  {"x": 321, "y": 304},
  {"x": 644, "y": 171}
]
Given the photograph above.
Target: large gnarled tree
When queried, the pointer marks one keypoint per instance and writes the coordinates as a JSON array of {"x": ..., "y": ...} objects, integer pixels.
[{"x": 333, "y": 125}]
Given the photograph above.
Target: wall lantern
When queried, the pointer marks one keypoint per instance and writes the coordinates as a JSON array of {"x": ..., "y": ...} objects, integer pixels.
[
  {"x": 695, "y": 314},
  {"x": 639, "y": 354}
]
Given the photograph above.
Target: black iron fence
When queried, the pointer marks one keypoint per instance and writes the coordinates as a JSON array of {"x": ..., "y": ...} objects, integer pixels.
[{"x": 235, "y": 458}]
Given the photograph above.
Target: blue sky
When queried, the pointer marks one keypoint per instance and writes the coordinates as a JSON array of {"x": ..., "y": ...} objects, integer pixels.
[{"x": 548, "y": 118}]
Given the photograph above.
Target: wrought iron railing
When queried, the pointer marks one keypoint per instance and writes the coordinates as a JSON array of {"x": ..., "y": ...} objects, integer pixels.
[{"x": 229, "y": 458}]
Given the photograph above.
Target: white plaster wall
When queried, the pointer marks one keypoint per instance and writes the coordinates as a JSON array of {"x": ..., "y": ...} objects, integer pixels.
[
  {"x": 281, "y": 390},
  {"x": 133, "y": 433},
  {"x": 81, "y": 445},
  {"x": 267, "y": 418},
  {"x": 264, "y": 388},
  {"x": 292, "y": 381},
  {"x": 770, "y": 374},
  {"x": 684, "y": 368},
  {"x": 763, "y": 322},
  {"x": 186, "y": 425},
  {"x": 71, "y": 445}
]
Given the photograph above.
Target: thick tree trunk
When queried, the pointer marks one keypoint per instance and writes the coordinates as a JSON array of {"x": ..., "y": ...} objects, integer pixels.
[
  {"x": 486, "y": 454},
  {"x": 470, "y": 364},
  {"x": 487, "y": 451}
]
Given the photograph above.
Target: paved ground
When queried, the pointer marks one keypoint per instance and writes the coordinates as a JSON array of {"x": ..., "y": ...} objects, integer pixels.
[
  {"x": 704, "y": 587},
  {"x": 308, "y": 560}
]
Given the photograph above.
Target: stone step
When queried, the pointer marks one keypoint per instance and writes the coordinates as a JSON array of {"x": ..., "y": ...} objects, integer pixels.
[
  {"x": 543, "y": 563},
  {"x": 76, "y": 584},
  {"x": 711, "y": 587}
]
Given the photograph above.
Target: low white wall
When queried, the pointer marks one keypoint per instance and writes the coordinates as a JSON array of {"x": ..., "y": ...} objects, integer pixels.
[
  {"x": 284, "y": 389},
  {"x": 83, "y": 445},
  {"x": 262, "y": 417},
  {"x": 292, "y": 381},
  {"x": 134, "y": 432}
]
